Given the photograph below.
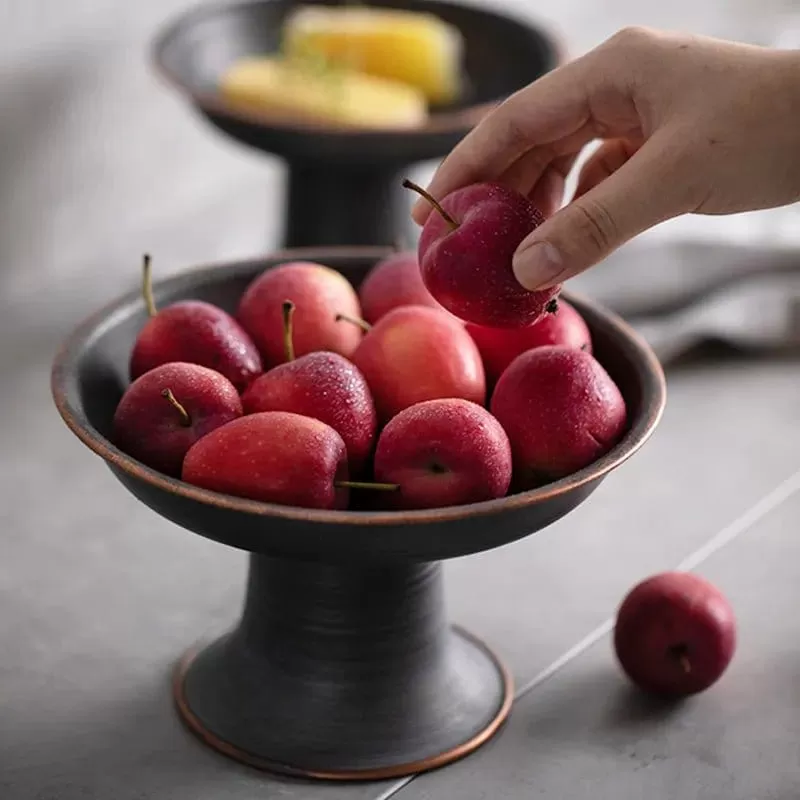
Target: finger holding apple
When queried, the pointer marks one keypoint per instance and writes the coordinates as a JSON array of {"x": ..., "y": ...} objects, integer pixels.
[{"x": 466, "y": 250}]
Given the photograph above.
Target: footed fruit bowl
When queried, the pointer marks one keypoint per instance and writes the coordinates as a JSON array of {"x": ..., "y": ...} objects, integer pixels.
[
  {"x": 344, "y": 184},
  {"x": 342, "y": 664}
]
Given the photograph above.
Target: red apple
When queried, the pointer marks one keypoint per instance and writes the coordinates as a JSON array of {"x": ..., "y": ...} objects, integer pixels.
[
  {"x": 500, "y": 346},
  {"x": 275, "y": 457},
  {"x": 196, "y": 332},
  {"x": 416, "y": 353},
  {"x": 675, "y": 634},
  {"x": 166, "y": 410},
  {"x": 561, "y": 411},
  {"x": 319, "y": 293},
  {"x": 393, "y": 282},
  {"x": 322, "y": 385},
  {"x": 443, "y": 453},
  {"x": 466, "y": 250}
]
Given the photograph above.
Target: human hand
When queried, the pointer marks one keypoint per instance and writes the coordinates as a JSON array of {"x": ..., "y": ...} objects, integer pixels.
[{"x": 689, "y": 125}]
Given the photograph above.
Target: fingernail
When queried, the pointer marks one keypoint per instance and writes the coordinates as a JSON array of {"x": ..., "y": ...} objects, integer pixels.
[{"x": 538, "y": 266}]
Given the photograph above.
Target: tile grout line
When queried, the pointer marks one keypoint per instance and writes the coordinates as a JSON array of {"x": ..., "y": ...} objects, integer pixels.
[{"x": 768, "y": 503}]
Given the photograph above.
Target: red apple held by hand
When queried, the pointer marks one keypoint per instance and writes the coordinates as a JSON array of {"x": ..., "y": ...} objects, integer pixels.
[
  {"x": 561, "y": 411},
  {"x": 675, "y": 634},
  {"x": 500, "y": 346},
  {"x": 393, "y": 282},
  {"x": 196, "y": 332},
  {"x": 443, "y": 453},
  {"x": 166, "y": 410},
  {"x": 466, "y": 251},
  {"x": 319, "y": 293},
  {"x": 322, "y": 385},
  {"x": 416, "y": 353},
  {"x": 274, "y": 456}
]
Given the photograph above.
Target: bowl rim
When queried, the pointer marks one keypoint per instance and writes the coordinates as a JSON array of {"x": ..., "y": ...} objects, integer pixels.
[
  {"x": 442, "y": 122},
  {"x": 638, "y": 432}
]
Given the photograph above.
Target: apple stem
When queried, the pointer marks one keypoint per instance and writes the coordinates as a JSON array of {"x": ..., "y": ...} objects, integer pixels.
[
  {"x": 552, "y": 306},
  {"x": 435, "y": 203},
  {"x": 381, "y": 487},
  {"x": 679, "y": 653},
  {"x": 363, "y": 324},
  {"x": 147, "y": 286},
  {"x": 288, "y": 341},
  {"x": 186, "y": 420}
]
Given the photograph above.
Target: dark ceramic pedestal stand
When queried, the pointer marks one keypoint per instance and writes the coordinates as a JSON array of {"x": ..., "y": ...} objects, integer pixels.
[
  {"x": 344, "y": 672},
  {"x": 343, "y": 665},
  {"x": 345, "y": 185}
]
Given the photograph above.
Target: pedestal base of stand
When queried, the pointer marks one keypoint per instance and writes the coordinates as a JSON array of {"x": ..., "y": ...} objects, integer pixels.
[
  {"x": 344, "y": 673},
  {"x": 212, "y": 692}
]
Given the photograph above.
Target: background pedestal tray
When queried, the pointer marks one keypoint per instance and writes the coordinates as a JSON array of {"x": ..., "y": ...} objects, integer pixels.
[
  {"x": 343, "y": 664},
  {"x": 344, "y": 186}
]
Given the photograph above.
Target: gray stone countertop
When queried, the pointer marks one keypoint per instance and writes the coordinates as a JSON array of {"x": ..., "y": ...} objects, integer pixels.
[{"x": 98, "y": 595}]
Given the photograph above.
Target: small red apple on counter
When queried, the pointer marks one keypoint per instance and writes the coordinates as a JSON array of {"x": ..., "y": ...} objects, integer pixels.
[
  {"x": 319, "y": 293},
  {"x": 322, "y": 385},
  {"x": 466, "y": 250},
  {"x": 500, "y": 346},
  {"x": 196, "y": 332},
  {"x": 675, "y": 634},
  {"x": 443, "y": 453},
  {"x": 166, "y": 410},
  {"x": 416, "y": 353},
  {"x": 561, "y": 411},
  {"x": 393, "y": 282},
  {"x": 275, "y": 457}
]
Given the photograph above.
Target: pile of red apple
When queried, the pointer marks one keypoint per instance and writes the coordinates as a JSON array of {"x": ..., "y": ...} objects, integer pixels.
[{"x": 439, "y": 382}]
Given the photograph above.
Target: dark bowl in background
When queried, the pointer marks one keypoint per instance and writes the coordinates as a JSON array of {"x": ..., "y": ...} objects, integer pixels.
[
  {"x": 344, "y": 184},
  {"x": 502, "y": 53}
]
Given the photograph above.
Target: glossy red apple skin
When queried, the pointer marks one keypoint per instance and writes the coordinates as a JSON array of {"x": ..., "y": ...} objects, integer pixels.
[
  {"x": 675, "y": 634},
  {"x": 416, "y": 353},
  {"x": 500, "y": 346},
  {"x": 329, "y": 388},
  {"x": 468, "y": 270},
  {"x": 561, "y": 411},
  {"x": 275, "y": 457},
  {"x": 199, "y": 333},
  {"x": 393, "y": 282},
  {"x": 318, "y": 292},
  {"x": 149, "y": 428},
  {"x": 443, "y": 453}
]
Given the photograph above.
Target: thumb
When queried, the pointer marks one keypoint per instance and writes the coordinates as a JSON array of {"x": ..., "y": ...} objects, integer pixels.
[{"x": 650, "y": 187}]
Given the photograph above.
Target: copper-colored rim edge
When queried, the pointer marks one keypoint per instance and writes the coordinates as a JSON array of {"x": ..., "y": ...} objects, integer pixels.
[
  {"x": 381, "y": 773},
  {"x": 633, "y": 440}
]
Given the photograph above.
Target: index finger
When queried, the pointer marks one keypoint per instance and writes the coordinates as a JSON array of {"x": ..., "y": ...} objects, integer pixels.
[{"x": 551, "y": 108}]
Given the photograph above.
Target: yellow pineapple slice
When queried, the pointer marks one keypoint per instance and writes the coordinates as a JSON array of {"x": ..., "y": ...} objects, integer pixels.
[
  {"x": 297, "y": 88},
  {"x": 412, "y": 47}
]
